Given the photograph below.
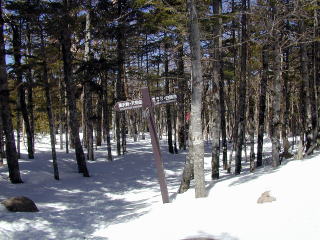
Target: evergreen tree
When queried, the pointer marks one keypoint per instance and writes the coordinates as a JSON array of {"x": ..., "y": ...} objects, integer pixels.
[{"x": 11, "y": 152}]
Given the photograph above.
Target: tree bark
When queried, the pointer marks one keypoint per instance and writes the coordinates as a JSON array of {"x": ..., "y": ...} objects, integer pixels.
[
  {"x": 11, "y": 152},
  {"x": 286, "y": 104},
  {"x": 276, "y": 111},
  {"x": 61, "y": 113},
  {"x": 251, "y": 101},
  {"x": 216, "y": 84},
  {"x": 30, "y": 86},
  {"x": 120, "y": 93},
  {"x": 182, "y": 136},
  {"x": 167, "y": 91},
  {"x": 49, "y": 107},
  {"x": 251, "y": 128},
  {"x": 16, "y": 42},
  {"x": 18, "y": 122},
  {"x": 70, "y": 86},
  {"x": 240, "y": 133},
  {"x": 224, "y": 143},
  {"x": 87, "y": 89},
  {"x": 106, "y": 116},
  {"x": 262, "y": 104},
  {"x": 51, "y": 121},
  {"x": 99, "y": 120},
  {"x": 67, "y": 120},
  {"x": 314, "y": 80},
  {"x": 305, "y": 107},
  {"x": 1, "y": 143},
  {"x": 196, "y": 150}
]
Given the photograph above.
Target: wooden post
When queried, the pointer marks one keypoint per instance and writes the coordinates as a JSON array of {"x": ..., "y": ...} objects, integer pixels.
[
  {"x": 147, "y": 103},
  {"x": 147, "y": 106}
]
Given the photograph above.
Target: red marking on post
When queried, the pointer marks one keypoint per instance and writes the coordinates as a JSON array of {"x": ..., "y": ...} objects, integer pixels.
[
  {"x": 147, "y": 106},
  {"x": 188, "y": 115}
]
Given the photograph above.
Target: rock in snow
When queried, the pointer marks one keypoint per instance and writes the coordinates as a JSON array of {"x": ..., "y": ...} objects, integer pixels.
[
  {"x": 266, "y": 197},
  {"x": 20, "y": 204}
]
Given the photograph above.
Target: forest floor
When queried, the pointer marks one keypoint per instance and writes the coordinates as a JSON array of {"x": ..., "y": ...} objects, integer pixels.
[{"x": 121, "y": 200}]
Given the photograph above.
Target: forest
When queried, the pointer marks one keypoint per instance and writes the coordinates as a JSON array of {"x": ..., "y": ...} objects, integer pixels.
[{"x": 242, "y": 70}]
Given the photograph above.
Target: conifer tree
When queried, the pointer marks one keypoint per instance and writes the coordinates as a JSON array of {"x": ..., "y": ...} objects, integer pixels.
[
  {"x": 11, "y": 152},
  {"x": 70, "y": 85}
]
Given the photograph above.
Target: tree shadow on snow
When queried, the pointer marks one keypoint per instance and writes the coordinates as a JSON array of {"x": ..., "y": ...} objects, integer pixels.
[{"x": 75, "y": 207}]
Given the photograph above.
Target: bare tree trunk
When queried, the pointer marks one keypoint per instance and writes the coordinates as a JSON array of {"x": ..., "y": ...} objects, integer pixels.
[
  {"x": 251, "y": 129},
  {"x": 61, "y": 113},
  {"x": 174, "y": 121},
  {"x": 67, "y": 121},
  {"x": 216, "y": 83},
  {"x": 167, "y": 91},
  {"x": 262, "y": 104},
  {"x": 18, "y": 122},
  {"x": 286, "y": 105},
  {"x": 16, "y": 42},
  {"x": 70, "y": 86},
  {"x": 233, "y": 124},
  {"x": 99, "y": 120},
  {"x": 251, "y": 102},
  {"x": 196, "y": 150},
  {"x": 187, "y": 175},
  {"x": 30, "y": 86},
  {"x": 224, "y": 143},
  {"x": 305, "y": 107},
  {"x": 106, "y": 116},
  {"x": 240, "y": 133},
  {"x": 181, "y": 98},
  {"x": 49, "y": 108},
  {"x": 314, "y": 81},
  {"x": 276, "y": 111},
  {"x": 87, "y": 89},
  {"x": 1, "y": 143},
  {"x": 120, "y": 93},
  {"x": 83, "y": 119},
  {"x": 11, "y": 152},
  {"x": 88, "y": 129}
]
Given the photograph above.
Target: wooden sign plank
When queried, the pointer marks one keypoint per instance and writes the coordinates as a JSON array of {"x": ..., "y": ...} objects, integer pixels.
[{"x": 137, "y": 103}]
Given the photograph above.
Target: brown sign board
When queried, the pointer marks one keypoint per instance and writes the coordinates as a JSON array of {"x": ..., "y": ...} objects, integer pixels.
[{"x": 137, "y": 103}]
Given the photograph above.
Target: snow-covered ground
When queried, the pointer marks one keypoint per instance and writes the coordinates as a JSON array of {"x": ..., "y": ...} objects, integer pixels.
[{"x": 121, "y": 200}]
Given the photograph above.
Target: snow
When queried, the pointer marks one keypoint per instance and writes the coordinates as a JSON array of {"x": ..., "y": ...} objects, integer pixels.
[{"x": 121, "y": 200}]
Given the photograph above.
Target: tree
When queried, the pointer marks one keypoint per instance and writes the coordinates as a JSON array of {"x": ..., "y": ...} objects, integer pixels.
[
  {"x": 240, "y": 132},
  {"x": 11, "y": 152},
  {"x": 16, "y": 42},
  {"x": 87, "y": 87},
  {"x": 120, "y": 91},
  {"x": 167, "y": 92},
  {"x": 70, "y": 86},
  {"x": 262, "y": 104},
  {"x": 216, "y": 85},
  {"x": 45, "y": 79},
  {"x": 1, "y": 143},
  {"x": 196, "y": 150}
]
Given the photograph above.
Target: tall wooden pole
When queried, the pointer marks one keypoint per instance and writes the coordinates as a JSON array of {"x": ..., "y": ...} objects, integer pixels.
[{"x": 147, "y": 106}]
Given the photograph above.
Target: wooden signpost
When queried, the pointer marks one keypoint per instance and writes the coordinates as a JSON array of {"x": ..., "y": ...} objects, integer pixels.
[{"x": 147, "y": 103}]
